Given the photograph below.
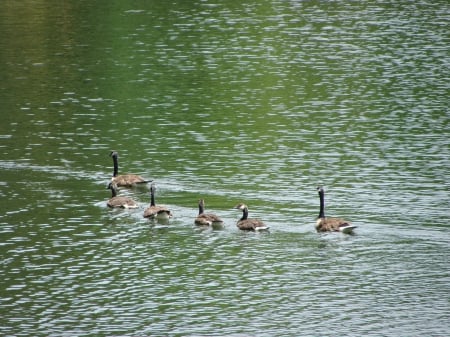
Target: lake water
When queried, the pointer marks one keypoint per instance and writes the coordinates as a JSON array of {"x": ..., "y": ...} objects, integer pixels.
[{"x": 232, "y": 101}]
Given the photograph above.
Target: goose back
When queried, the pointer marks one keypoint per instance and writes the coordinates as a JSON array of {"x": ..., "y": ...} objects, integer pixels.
[
  {"x": 156, "y": 211},
  {"x": 206, "y": 219},
  {"x": 327, "y": 224},
  {"x": 124, "y": 180},
  {"x": 249, "y": 224},
  {"x": 119, "y": 201}
]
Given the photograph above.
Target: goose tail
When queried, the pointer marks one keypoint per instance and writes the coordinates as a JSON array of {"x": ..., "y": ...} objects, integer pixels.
[
  {"x": 347, "y": 228},
  {"x": 143, "y": 182}
]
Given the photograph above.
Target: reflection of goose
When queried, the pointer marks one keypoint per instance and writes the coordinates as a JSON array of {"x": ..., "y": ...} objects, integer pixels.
[
  {"x": 206, "y": 219},
  {"x": 245, "y": 223},
  {"x": 156, "y": 212},
  {"x": 118, "y": 201},
  {"x": 124, "y": 180},
  {"x": 325, "y": 224}
]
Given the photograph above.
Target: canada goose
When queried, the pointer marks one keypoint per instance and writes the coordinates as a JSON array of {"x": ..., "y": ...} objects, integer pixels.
[
  {"x": 156, "y": 212},
  {"x": 325, "y": 224},
  {"x": 206, "y": 219},
  {"x": 245, "y": 223},
  {"x": 124, "y": 180},
  {"x": 118, "y": 201}
]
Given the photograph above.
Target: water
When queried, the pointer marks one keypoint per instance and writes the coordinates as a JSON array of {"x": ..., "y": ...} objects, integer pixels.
[{"x": 231, "y": 102}]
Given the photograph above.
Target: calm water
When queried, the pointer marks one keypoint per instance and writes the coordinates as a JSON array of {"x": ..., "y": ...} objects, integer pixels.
[{"x": 231, "y": 101}]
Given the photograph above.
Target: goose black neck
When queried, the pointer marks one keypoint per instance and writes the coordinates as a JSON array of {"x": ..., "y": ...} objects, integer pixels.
[
  {"x": 113, "y": 191},
  {"x": 322, "y": 204},
  {"x": 152, "y": 196},
  {"x": 201, "y": 209},
  {"x": 244, "y": 213},
  {"x": 116, "y": 164}
]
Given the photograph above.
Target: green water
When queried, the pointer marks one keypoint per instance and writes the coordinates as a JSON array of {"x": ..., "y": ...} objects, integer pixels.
[{"x": 231, "y": 102}]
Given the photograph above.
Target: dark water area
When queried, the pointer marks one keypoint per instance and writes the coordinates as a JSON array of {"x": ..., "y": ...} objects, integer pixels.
[{"x": 231, "y": 102}]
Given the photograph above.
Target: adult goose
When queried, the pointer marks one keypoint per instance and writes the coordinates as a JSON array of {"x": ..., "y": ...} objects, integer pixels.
[
  {"x": 124, "y": 180},
  {"x": 156, "y": 212},
  {"x": 325, "y": 224},
  {"x": 248, "y": 224},
  {"x": 119, "y": 201},
  {"x": 206, "y": 219}
]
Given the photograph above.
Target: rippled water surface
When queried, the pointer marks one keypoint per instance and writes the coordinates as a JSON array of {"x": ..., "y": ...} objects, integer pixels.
[{"x": 232, "y": 101}]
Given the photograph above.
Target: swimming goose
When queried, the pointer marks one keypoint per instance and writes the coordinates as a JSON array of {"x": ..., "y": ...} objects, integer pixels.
[
  {"x": 325, "y": 224},
  {"x": 206, "y": 219},
  {"x": 156, "y": 212},
  {"x": 118, "y": 201},
  {"x": 124, "y": 180},
  {"x": 247, "y": 224}
]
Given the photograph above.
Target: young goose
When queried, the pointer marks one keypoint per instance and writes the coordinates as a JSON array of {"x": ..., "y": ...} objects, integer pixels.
[
  {"x": 206, "y": 219},
  {"x": 124, "y": 180},
  {"x": 247, "y": 224},
  {"x": 156, "y": 212},
  {"x": 119, "y": 202},
  {"x": 325, "y": 224}
]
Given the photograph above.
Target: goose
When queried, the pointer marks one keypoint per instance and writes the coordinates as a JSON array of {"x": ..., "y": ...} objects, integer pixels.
[
  {"x": 206, "y": 219},
  {"x": 245, "y": 223},
  {"x": 124, "y": 180},
  {"x": 118, "y": 201},
  {"x": 156, "y": 212},
  {"x": 325, "y": 224}
]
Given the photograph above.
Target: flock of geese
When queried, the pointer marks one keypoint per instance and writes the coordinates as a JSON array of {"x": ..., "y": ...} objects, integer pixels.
[{"x": 160, "y": 212}]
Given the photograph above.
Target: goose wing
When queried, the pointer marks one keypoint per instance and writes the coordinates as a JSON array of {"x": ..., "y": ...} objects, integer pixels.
[
  {"x": 128, "y": 180},
  {"x": 251, "y": 224},
  {"x": 157, "y": 211},
  {"x": 121, "y": 202},
  {"x": 206, "y": 219},
  {"x": 332, "y": 224}
]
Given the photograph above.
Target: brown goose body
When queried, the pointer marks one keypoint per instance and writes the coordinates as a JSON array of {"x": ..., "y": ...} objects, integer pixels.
[
  {"x": 206, "y": 219},
  {"x": 156, "y": 211},
  {"x": 128, "y": 180},
  {"x": 124, "y": 180},
  {"x": 326, "y": 224},
  {"x": 331, "y": 224},
  {"x": 119, "y": 201},
  {"x": 248, "y": 224}
]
